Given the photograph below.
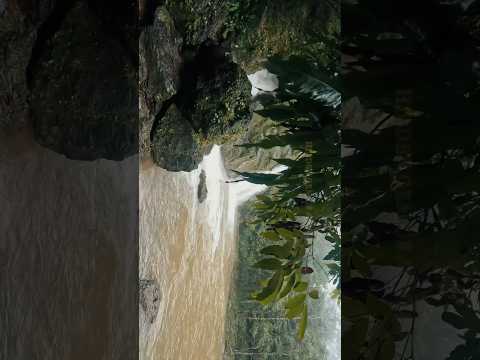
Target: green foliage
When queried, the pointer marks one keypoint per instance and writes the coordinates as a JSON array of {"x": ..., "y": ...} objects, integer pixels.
[
  {"x": 241, "y": 15},
  {"x": 265, "y": 330},
  {"x": 308, "y": 189},
  {"x": 425, "y": 171}
]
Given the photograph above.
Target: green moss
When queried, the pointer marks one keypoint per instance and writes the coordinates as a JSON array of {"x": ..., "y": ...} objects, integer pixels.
[
  {"x": 284, "y": 28},
  {"x": 198, "y": 19}
]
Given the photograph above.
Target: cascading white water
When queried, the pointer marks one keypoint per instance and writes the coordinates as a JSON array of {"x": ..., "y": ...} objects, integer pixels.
[
  {"x": 333, "y": 316},
  {"x": 223, "y": 195},
  {"x": 188, "y": 246}
]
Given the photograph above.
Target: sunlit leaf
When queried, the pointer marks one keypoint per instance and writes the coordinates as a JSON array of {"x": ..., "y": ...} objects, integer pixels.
[
  {"x": 270, "y": 235},
  {"x": 301, "y": 286},
  {"x": 294, "y": 311},
  {"x": 269, "y": 264},
  {"x": 295, "y": 300},
  {"x": 302, "y": 326},
  {"x": 287, "y": 286},
  {"x": 268, "y": 293},
  {"x": 276, "y": 250}
]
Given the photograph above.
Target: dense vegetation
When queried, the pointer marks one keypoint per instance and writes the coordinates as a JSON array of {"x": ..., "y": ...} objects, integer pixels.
[
  {"x": 416, "y": 62},
  {"x": 304, "y": 199},
  {"x": 264, "y": 333}
]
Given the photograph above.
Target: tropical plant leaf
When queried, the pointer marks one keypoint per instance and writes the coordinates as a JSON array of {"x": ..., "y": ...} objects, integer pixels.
[
  {"x": 269, "y": 293},
  {"x": 301, "y": 286},
  {"x": 302, "y": 326},
  {"x": 278, "y": 251},
  {"x": 295, "y": 300},
  {"x": 269, "y": 264}
]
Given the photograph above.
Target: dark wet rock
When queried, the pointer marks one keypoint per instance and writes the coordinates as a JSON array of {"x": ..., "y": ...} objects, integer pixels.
[
  {"x": 159, "y": 70},
  {"x": 20, "y": 22},
  {"x": 218, "y": 93},
  {"x": 200, "y": 20},
  {"x": 91, "y": 106},
  {"x": 175, "y": 145},
  {"x": 281, "y": 28},
  {"x": 213, "y": 97},
  {"x": 150, "y": 298},
  {"x": 202, "y": 190}
]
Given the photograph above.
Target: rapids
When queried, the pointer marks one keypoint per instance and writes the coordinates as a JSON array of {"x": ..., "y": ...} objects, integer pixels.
[{"x": 188, "y": 247}]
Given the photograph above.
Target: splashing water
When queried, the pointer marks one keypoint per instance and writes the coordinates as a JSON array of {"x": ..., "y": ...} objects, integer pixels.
[{"x": 188, "y": 246}]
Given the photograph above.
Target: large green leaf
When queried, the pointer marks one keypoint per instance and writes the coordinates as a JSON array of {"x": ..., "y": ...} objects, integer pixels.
[
  {"x": 279, "y": 251},
  {"x": 302, "y": 326},
  {"x": 269, "y": 292},
  {"x": 301, "y": 286},
  {"x": 287, "y": 286},
  {"x": 269, "y": 264},
  {"x": 295, "y": 311},
  {"x": 455, "y": 320},
  {"x": 295, "y": 300}
]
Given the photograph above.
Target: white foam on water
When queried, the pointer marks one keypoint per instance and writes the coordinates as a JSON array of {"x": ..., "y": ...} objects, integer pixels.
[
  {"x": 332, "y": 312},
  {"x": 219, "y": 210},
  {"x": 217, "y": 194},
  {"x": 223, "y": 196}
]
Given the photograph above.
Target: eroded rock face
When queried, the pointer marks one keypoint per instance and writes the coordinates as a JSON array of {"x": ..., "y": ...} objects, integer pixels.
[
  {"x": 90, "y": 109},
  {"x": 212, "y": 97},
  {"x": 174, "y": 143},
  {"x": 159, "y": 70},
  {"x": 19, "y": 25},
  {"x": 150, "y": 298},
  {"x": 202, "y": 190}
]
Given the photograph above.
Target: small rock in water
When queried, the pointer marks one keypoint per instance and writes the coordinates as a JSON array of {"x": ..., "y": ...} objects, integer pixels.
[
  {"x": 150, "y": 299},
  {"x": 202, "y": 187}
]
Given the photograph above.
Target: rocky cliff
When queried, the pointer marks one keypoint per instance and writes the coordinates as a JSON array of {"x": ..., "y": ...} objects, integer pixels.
[
  {"x": 69, "y": 68},
  {"x": 105, "y": 79},
  {"x": 194, "y": 61}
]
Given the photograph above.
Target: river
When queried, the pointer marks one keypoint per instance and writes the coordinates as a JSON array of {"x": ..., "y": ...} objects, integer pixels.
[{"x": 188, "y": 248}]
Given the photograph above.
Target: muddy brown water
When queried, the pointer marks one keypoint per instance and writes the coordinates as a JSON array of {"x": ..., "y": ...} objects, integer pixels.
[
  {"x": 68, "y": 254},
  {"x": 188, "y": 247}
]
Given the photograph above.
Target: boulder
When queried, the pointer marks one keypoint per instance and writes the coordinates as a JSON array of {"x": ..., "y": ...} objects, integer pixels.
[
  {"x": 84, "y": 99},
  {"x": 175, "y": 146},
  {"x": 159, "y": 70},
  {"x": 150, "y": 298},
  {"x": 202, "y": 190}
]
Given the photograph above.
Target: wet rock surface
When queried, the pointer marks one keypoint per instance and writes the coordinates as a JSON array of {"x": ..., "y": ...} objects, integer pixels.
[
  {"x": 212, "y": 96},
  {"x": 20, "y": 22},
  {"x": 90, "y": 108},
  {"x": 202, "y": 190},
  {"x": 174, "y": 144},
  {"x": 150, "y": 298},
  {"x": 159, "y": 71}
]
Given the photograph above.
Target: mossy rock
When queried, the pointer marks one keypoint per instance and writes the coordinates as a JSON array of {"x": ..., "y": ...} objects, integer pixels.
[
  {"x": 174, "y": 144},
  {"x": 90, "y": 110},
  {"x": 223, "y": 102},
  {"x": 198, "y": 20},
  {"x": 283, "y": 28},
  {"x": 159, "y": 71}
]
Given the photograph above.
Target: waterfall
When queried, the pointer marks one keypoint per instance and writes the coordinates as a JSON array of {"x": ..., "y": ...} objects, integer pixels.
[
  {"x": 224, "y": 198},
  {"x": 188, "y": 247},
  {"x": 332, "y": 312}
]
